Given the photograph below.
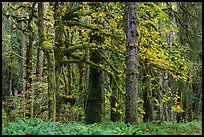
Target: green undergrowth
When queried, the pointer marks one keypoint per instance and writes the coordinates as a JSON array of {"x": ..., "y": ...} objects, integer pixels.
[{"x": 36, "y": 126}]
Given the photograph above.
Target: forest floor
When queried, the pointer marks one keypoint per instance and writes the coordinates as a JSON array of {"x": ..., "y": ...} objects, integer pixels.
[{"x": 36, "y": 126}]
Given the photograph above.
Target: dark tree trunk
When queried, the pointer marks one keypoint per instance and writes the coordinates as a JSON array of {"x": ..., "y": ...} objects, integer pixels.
[
  {"x": 69, "y": 76},
  {"x": 148, "y": 116},
  {"x": 81, "y": 84},
  {"x": 95, "y": 107},
  {"x": 95, "y": 99},
  {"x": 41, "y": 31},
  {"x": 29, "y": 52},
  {"x": 131, "y": 110},
  {"x": 58, "y": 43}
]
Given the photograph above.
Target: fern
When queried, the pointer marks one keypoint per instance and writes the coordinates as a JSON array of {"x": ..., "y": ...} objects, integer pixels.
[{"x": 36, "y": 126}]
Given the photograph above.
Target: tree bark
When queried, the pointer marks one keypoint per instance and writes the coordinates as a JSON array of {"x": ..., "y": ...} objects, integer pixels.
[
  {"x": 29, "y": 52},
  {"x": 23, "y": 64},
  {"x": 42, "y": 35},
  {"x": 160, "y": 96},
  {"x": 58, "y": 43},
  {"x": 171, "y": 96},
  {"x": 95, "y": 100},
  {"x": 131, "y": 110},
  {"x": 179, "y": 116},
  {"x": 49, "y": 52},
  {"x": 166, "y": 103},
  {"x": 10, "y": 70},
  {"x": 95, "y": 107},
  {"x": 148, "y": 116}
]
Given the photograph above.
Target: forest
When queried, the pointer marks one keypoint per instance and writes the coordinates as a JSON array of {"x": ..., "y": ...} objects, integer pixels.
[{"x": 126, "y": 68}]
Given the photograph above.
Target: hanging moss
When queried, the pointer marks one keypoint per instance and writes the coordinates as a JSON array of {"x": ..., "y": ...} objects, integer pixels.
[{"x": 46, "y": 46}]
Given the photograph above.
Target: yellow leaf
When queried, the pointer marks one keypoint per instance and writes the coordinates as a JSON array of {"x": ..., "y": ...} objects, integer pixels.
[
  {"x": 102, "y": 14},
  {"x": 93, "y": 14},
  {"x": 114, "y": 109},
  {"x": 116, "y": 105}
]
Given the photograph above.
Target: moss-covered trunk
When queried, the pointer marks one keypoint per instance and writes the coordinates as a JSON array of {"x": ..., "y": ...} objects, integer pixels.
[
  {"x": 131, "y": 110},
  {"x": 81, "y": 84},
  {"x": 180, "y": 85},
  {"x": 37, "y": 106},
  {"x": 42, "y": 36},
  {"x": 190, "y": 106},
  {"x": 69, "y": 76},
  {"x": 82, "y": 76},
  {"x": 47, "y": 47},
  {"x": 95, "y": 104},
  {"x": 95, "y": 99},
  {"x": 58, "y": 99},
  {"x": 29, "y": 53},
  {"x": 148, "y": 116},
  {"x": 59, "y": 28}
]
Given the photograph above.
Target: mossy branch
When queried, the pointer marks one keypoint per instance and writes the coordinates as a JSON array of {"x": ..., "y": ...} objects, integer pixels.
[
  {"x": 106, "y": 60},
  {"x": 74, "y": 47},
  {"x": 64, "y": 61},
  {"x": 109, "y": 72},
  {"x": 96, "y": 65},
  {"x": 95, "y": 28},
  {"x": 68, "y": 99},
  {"x": 46, "y": 46}
]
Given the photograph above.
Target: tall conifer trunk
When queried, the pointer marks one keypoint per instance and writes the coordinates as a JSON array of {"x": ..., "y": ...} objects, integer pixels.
[
  {"x": 131, "y": 110},
  {"x": 95, "y": 106}
]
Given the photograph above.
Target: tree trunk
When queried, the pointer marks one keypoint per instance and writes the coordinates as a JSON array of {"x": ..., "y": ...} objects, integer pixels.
[
  {"x": 95, "y": 107},
  {"x": 23, "y": 65},
  {"x": 65, "y": 80},
  {"x": 131, "y": 110},
  {"x": 148, "y": 116},
  {"x": 29, "y": 52},
  {"x": 57, "y": 95},
  {"x": 171, "y": 96},
  {"x": 42, "y": 35},
  {"x": 95, "y": 99},
  {"x": 47, "y": 47},
  {"x": 10, "y": 70},
  {"x": 170, "y": 39},
  {"x": 160, "y": 96},
  {"x": 58, "y": 43},
  {"x": 179, "y": 116},
  {"x": 69, "y": 76},
  {"x": 82, "y": 81},
  {"x": 166, "y": 103},
  {"x": 81, "y": 84}
]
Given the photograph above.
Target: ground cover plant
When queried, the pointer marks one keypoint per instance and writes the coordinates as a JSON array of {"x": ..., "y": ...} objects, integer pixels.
[{"x": 36, "y": 126}]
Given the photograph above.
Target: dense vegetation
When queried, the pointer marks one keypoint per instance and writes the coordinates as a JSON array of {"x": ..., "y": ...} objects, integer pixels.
[
  {"x": 135, "y": 67},
  {"x": 38, "y": 127}
]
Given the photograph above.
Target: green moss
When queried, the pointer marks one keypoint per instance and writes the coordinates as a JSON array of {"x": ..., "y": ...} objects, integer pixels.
[{"x": 46, "y": 46}]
